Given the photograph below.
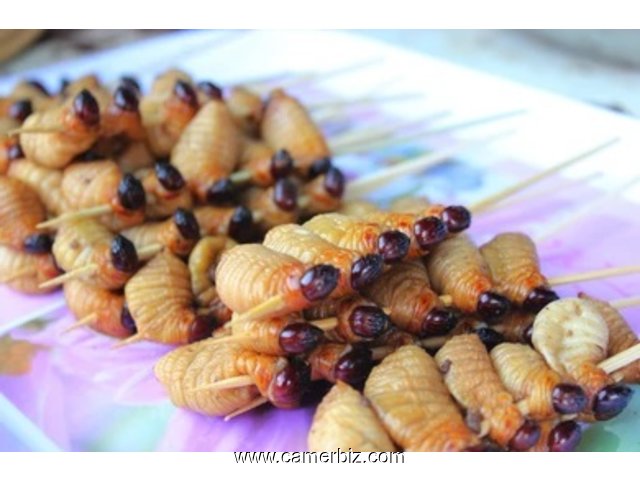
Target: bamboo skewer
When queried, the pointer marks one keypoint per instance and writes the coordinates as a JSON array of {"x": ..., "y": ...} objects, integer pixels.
[
  {"x": 78, "y": 272},
  {"x": 83, "y": 322},
  {"x": 626, "y": 302},
  {"x": 248, "y": 407},
  {"x": 78, "y": 214},
  {"x": 594, "y": 275},
  {"x": 621, "y": 360},
  {"x": 233, "y": 382}
]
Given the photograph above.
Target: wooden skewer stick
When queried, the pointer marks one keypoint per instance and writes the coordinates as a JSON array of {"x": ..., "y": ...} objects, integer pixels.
[
  {"x": 594, "y": 275},
  {"x": 509, "y": 191},
  {"x": 31, "y": 316},
  {"x": 248, "y": 407},
  {"x": 69, "y": 216},
  {"x": 19, "y": 131},
  {"x": 89, "y": 319},
  {"x": 78, "y": 272},
  {"x": 626, "y": 302},
  {"x": 138, "y": 337},
  {"x": 621, "y": 360},
  {"x": 227, "y": 383}
]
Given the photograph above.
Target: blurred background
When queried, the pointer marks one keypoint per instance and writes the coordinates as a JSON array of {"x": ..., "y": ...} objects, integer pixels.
[{"x": 597, "y": 66}]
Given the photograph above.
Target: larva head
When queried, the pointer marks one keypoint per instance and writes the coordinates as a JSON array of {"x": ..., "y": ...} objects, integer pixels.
[
  {"x": 429, "y": 231},
  {"x": 37, "y": 84},
  {"x": 125, "y": 99},
  {"x": 186, "y": 94},
  {"x": 124, "y": 256},
  {"x": 539, "y": 298},
  {"x": 187, "y": 224},
  {"x": 489, "y": 337},
  {"x": 14, "y": 151},
  {"x": 564, "y": 437},
  {"x": 393, "y": 246},
  {"x": 299, "y": 338},
  {"x": 285, "y": 194},
  {"x": 169, "y": 176},
  {"x": 353, "y": 367},
  {"x": 281, "y": 164},
  {"x": 526, "y": 437},
  {"x": 368, "y": 321},
  {"x": 365, "y": 270},
  {"x": 201, "y": 328},
  {"x": 334, "y": 182},
  {"x": 290, "y": 383},
  {"x": 127, "y": 320},
  {"x": 568, "y": 399},
  {"x": 221, "y": 191},
  {"x": 86, "y": 108},
  {"x": 20, "y": 110},
  {"x": 611, "y": 401},
  {"x": 241, "y": 227},
  {"x": 38, "y": 243},
  {"x": 131, "y": 193},
  {"x": 131, "y": 83},
  {"x": 492, "y": 306},
  {"x": 318, "y": 282},
  {"x": 438, "y": 321},
  {"x": 457, "y": 218},
  {"x": 319, "y": 167},
  {"x": 210, "y": 90}
]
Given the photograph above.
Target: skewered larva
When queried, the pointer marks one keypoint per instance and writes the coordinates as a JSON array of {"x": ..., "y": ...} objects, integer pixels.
[
  {"x": 246, "y": 109},
  {"x": 335, "y": 362},
  {"x": 621, "y": 337},
  {"x": 178, "y": 234},
  {"x": 160, "y": 301},
  {"x": 275, "y": 205},
  {"x": 102, "y": 310},
  {"x": 251, "y": 274},
  {"x": 558, "y": 436},
  {"x": 356, "y": 271},
  {"x": 34, "y": 92},
  {"x": 345, "y": 421},
  {"x": 286, "y": 124},
  {"x": 167, "y": 110},
  {"x": 408, "y": 395},
  {"x": 208, "y": 152},
  {"x": 515, "y": 269},
  {"x": 136, "y": 156},
  {"x": 324, "y": 193},
  {"x": 15, "y": 110},
  {"x": 573, "y": 338},
  {"x": 537, "y": 389},
  {"x": 358, "y": 319},
  {"x": 47, "y": 182},
  {"x": 60, "y": 133},
  {"x": 405, "y": 290},
  {"x": 20, "y": 212},
  {"x": 456, "y": 268},
  {"x": 360, "y": 236},
  {"x": 165, "y": 190},
  {"x": 235, "y": 222},
  {"x": 25, "y": 272},
  {"x": 120, "y": 115},
  {"x": 103, "y": 259},
  {"x": 208, "y": 91},
  {"x": 260, "y": 165},
  {"x": 474, "y": 383},
  {"x": 89, "y": 82}
]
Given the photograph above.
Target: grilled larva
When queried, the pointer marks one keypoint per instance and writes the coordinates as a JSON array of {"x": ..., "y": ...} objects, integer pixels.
[
  {"x": 246, "y": 109},
  {"x": 20, "y": 211},
  {"x": 324, "y": 193},
  {"x": 472, "y": 380},
  {"x": 408, "y": 395},
  {"x": 165, "y": 190},
  {"x": 235, "y": 222},
  {"x": 75, "y": 125},
  {"x": 275, "y": 205},
  {"x": 136, "y": 156},
  {"x": 264, "y": 165},
  {"x": 25, "y": 272},
  {"x": 35, "y": 93},
  {"x": 47, "y": 182},
  {"x": 345, "y": 421},
  {"x": 517, "y": 326},
  {"x": 120, "y": 114},
  {"x": 558, "y": 436},
  {"x": 456, "y": 268},
  {"x": 515, "y": 269},
  {"x": 340, "y": 362}
]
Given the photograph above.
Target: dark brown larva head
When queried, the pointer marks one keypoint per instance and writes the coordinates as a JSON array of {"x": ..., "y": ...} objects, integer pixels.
[
  {"x": 354, "y": 366},
  {"x": 201, "y": 328},
  {"x": 319, "y": 281},
  {"x": 611, "y": 401},
  {"x": 439, "y": 321},
  {"x": 131, "y": 193},
  {"x": 290, "y": 384},
  {"x": 86, "y": 109},
  {"x": 14, "y": 151},
  {"x": 489, "y": 337},
  {"x": 319, "y": 167},
  {"x": 38, "y": 84},
  {"x": 124, "y": 256},
  {"x": 131, "y": 82},
  {"x": 241, "y": 227},
  {"x": 429, "y": 231},
  {"x": 281, "y": 164},
  {"x": 526, "y": 437},
  {"x": 285, "y": 194},
  {"x": 125, "y": 99},
  {"x": 186, "y": 93},
  {"x": 539, "y": 298},
  {"x": 20, "y": 110},
  {"x": 187, "y": 224},
  {"x": 64, "y": 84},
  {"x": 221, "y": 191},
  {"x": 334, "y": 182},
  {"x": 300, "y": 338},
  {"x": 368, "y": 321},
  {"x": 393, "y": 246},
  {"x": 564, "y": 437},
  {"x": 127, "y": 320},
  {"x": 365, "y": 270},
  {"x": 456, "y": 218},
  {"x": 38, "y": 243},
  {"x": 568, "y": 399},
  {"x": 169, "y": 176},
  {"x": 492, "y": 306},
  {"x": 210, "y": 89}
]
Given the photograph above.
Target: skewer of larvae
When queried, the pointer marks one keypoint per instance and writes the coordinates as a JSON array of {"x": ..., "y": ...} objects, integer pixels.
[
  {"x": 260, "y": 165},
  {"x": 456, "y": 217},
  {"x": 246, "y": 108},
  {"x": 237, "y": 223},
  {"x": 333, "y": 362},
  {"x": 165, "y": 190},
  {"x": 558, "y": 436},
  {"x": 46, "y": 182},
  {"x": 196, "y": 377},
  {"x": 34, "y": 92},
  {"x": 119, "y": 114}
]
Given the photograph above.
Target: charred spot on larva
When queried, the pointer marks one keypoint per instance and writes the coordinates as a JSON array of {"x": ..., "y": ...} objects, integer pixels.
[
  {"x": 564, "y": 437},
  {"x": 492, "y": 306},
  {"x": 169, "y": 176},
  {"x": 429, "y": 231},
  {"x": 299, "y": 338},
  {"x": 131, "y": 192},
  {"x": 611, "y": 400},
  {"x": 86, "y": 108},
  {"x": 127, "y": 320},
  {"x": 456, "y": 218},
  {"x": 285, "y": 194},
  {"x": 38, "y": 243},
  {"x": 130, "y": 82},
  {"x": 365, "y": 270},
  {"x": 20, "y": 110},
  {"x": 123, "y": 254},
  {"x": 354, "y": 366},
  {"x": 210, "y": 89},
  {"x": 489, "y": 337},
  {"x": 526, "y": 436},
  {"x": 38, "y": 84},
  {"x": 14, "y": 152},
  {"x": 568, "y": 399},
  {"x": 221, "y": 191},
  {"x": 439, "y": 321},
  {"x": 319, "y": 167},
  {"x": 368, "y": 321},
  {"x": 319, "y": 281},
  {"x": 290, "y": 384},
  {"x": 445, "y": 366},
  {"x": 201, "y": 328},
  {"x": 393, "y": 246},
  {"x": 281, "y": 164},
  {"x": 125, "y": 99},
  {"x": 187, "y": 224},
  {"x": 186, "y": 93},
  {"x": 241, "y": 226},
  {"x": 539, "y": 298},
  {"x": 334, "y": 182}
]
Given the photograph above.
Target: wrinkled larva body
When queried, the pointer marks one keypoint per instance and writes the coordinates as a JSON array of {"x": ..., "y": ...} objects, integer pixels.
[
  {"x": 246, "y": 109},
  {"x": 24, "y": 272},
  {"x": 160, "y": 202},
  {"x": 46, "y": 181},
  {"x": 20, "y": 211},
  {"x": 136, "y": 156},
  {"x": 346, "y": 232}
]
